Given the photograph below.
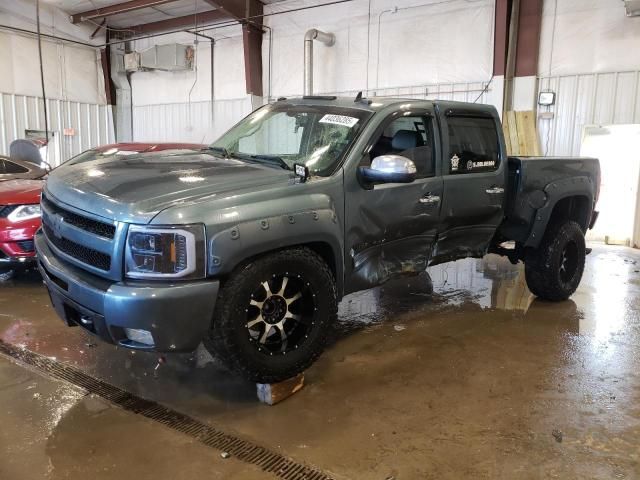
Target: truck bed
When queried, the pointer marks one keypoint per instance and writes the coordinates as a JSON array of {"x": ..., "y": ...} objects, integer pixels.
[{"x": 536, "y": 182}]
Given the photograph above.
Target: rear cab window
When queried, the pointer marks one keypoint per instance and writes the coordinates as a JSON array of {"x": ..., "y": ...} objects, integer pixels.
[{"x": 474, "y": 145}]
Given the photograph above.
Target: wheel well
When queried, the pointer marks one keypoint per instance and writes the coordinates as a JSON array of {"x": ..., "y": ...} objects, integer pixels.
[
  {"x": 576, "y": 208},
  {"x": 321, "y": 248},
  {"x": 326, "y": 252}
]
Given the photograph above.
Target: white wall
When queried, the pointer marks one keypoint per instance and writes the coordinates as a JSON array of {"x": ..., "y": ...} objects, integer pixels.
[
  {"x": 164, "y": 109},
  {"x": 595, "y": 70},
  {"x": 424, "y": 42},
  {"x": 71, "y": 72},
  {"x": 590, "y": 36},
  {"x": 73, "y": 80}
]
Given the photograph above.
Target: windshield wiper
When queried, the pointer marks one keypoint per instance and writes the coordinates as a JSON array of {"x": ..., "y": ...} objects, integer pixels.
[
  {"x": 272, "y": 159},
  {"x": 222, "y": 150}
]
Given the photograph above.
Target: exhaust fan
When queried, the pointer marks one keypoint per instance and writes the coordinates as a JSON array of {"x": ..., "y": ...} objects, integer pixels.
[{"x": 632, "y": 7}]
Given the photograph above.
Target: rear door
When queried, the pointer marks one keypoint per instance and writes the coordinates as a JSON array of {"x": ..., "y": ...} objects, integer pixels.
[{"x": 474, "y": 167}]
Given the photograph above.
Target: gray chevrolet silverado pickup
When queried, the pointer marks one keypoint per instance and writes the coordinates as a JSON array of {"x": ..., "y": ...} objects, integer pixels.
[{"x": 249, "y": 245}]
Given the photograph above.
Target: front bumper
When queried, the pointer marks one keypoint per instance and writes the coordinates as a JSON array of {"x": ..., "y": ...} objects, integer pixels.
[
  {"x": 16, "y": 244},
  {"x": 178, "y": 315}
]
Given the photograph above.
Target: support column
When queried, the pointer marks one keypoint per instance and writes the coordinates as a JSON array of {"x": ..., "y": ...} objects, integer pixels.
[
  {"x": 527, "y": 50},
  {"x": 500, "y": 47}
]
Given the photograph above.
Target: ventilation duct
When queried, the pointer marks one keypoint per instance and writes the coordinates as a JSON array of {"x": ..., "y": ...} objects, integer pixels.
[
  {"x": 170, "y": 57},
  {"x": 328, "y": 39}
]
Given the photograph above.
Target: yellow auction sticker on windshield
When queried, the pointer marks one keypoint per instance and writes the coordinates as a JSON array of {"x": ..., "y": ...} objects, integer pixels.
[{"x": 339, "y": 120}]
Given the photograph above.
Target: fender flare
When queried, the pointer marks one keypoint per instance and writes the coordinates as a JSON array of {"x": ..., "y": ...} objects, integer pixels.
[
  {"x": 580, "y": 186},
  {"x": 230, "y": 247}
]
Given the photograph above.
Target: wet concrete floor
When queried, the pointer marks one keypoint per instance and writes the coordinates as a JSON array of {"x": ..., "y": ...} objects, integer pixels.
[{"x": 475, "y": 379}]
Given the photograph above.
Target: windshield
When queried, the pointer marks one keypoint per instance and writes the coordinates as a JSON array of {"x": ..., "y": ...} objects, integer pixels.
[{"x": 312, "y": 135}]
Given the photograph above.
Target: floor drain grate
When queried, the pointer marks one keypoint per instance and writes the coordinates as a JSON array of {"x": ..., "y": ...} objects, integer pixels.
[{"x": 243, "y": 450}]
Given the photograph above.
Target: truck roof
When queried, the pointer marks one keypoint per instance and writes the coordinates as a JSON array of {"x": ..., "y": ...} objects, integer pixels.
[{"x": 374, "y": 104}]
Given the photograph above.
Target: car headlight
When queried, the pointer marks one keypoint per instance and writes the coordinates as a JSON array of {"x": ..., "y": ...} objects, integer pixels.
[
  {"x": 24, "y": 212},
  {"x": 165, "y": 252}
]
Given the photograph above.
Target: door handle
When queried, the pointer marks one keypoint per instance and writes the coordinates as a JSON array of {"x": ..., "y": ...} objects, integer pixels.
[
  {"x": 494, "y": 190},
  {"x": 429, "y": 199}
]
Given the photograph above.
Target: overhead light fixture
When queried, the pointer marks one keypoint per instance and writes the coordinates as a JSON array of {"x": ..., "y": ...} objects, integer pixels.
[{"x": 632, "y": 7}]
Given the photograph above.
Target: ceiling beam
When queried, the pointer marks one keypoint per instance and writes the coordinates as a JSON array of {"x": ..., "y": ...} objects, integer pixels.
[
  {"x": 235, "y": 8},
  {"x": 198, "y": 19},
  {"x": 124, "y": 7}
]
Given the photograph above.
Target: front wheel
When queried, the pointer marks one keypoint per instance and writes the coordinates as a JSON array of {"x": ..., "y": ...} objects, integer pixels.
[
  {"x": 273, "y": 315},
  {"x": 554, "y": 270}
]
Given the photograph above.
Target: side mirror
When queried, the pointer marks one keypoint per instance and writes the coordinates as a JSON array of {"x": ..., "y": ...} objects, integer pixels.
[{"x": 389, "y": 169}]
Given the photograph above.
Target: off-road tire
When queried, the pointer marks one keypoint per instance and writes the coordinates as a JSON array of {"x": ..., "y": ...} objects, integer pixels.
[
  {"x": 228, "y": 338},
  {"x": 543, "y": 267}
]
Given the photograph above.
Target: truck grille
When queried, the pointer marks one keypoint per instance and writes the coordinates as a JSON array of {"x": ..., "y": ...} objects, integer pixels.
[
  {"x": 79, "y": 252},
  {"x": 93, "y": 226}
]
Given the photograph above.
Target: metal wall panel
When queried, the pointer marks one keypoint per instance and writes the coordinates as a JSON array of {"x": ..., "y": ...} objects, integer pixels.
[
  {"x": 93, "y": 124},
  {"x": 192, "y": 122},
  {"x": 587, "y": 99},
  {"x": 187, "y": 122},
  {"x": 462, "y": 92}
]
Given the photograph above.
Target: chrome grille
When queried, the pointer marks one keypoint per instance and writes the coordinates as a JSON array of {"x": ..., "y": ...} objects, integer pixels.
[
  {"x": 79, "y": 252},
  {"x": 89, "y": 242},
  {"x": 92, "y": 226}
]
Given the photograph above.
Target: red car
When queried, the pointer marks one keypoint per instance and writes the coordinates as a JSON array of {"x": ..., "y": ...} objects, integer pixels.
[
  {"x": 19, "y": 220},
  {"x": 20, "y": 203}
]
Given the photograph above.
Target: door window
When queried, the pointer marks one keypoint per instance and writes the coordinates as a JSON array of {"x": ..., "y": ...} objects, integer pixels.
[
  {"x": 411, "y": 137},
  {"x": 473, "y": 145}
]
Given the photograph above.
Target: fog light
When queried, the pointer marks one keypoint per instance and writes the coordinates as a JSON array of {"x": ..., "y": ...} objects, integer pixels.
[{"x": 139, "y": 336}]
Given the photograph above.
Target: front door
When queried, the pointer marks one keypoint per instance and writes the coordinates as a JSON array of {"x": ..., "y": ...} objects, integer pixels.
[
  {"x": 391, "y": 228},
  {"x": 474, "y": 185}
]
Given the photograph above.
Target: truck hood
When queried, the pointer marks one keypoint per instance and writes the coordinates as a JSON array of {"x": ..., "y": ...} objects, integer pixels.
[{"x": 136, "y": 188}]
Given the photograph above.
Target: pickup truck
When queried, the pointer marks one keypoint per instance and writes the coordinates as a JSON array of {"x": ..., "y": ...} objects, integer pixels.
[{"x": 249, "y": 245}]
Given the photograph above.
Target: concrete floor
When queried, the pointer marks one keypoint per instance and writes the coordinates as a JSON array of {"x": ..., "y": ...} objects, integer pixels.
[{"x": 477, "y": 380}]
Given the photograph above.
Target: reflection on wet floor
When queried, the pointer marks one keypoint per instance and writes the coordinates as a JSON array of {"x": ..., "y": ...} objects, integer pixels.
[{"x": 458, "y": 372}]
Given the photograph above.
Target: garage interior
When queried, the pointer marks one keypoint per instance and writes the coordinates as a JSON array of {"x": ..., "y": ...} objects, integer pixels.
[{"x": 458, "y": 372}]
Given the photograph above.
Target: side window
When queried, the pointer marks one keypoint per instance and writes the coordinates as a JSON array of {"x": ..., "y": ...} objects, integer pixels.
[
  {"x": 410, "y": 137},
  {"x": 473, "y": 145},
  {"x": 11, "y": 167},
  {"x": 1, "y": 166}
]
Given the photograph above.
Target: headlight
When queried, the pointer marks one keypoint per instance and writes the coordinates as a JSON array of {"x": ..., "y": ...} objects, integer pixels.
[
  {"x": 24, "y": 212},
  {"x": 165, "y": 252}
]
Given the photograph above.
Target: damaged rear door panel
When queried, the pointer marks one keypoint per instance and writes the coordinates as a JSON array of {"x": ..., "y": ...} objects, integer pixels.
[{"x": 473, "y": 170}]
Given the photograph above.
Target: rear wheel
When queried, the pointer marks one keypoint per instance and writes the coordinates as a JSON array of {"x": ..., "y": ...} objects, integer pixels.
[
  {"x": 554, "y": 270},
  {"x": 273, "y": 315}
]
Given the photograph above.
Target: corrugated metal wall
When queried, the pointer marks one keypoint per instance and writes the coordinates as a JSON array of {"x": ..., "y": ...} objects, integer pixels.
[
  {"x": 462, "y": 92},
  {"x": 184, "y": 122},
  {"x": 92, "y": 124},
  {"x": 193, "y": 123},
  {"x": 587, "y": 99}
]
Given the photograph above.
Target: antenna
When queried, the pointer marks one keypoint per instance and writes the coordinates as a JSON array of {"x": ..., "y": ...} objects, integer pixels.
[{"x": 358, "y": 97}]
